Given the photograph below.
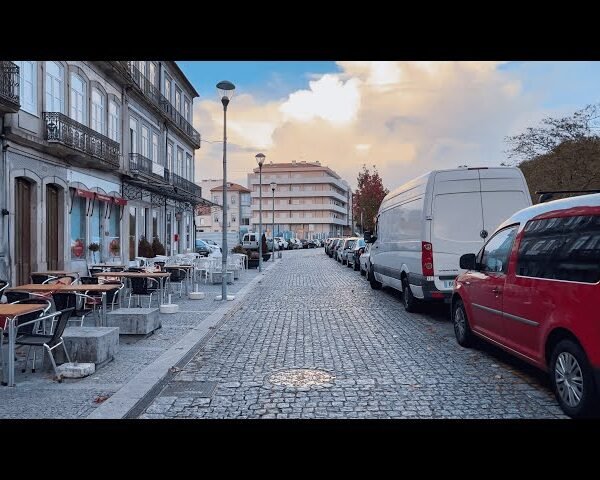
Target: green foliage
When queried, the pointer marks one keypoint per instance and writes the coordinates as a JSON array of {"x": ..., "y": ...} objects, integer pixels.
[
  {"x": 93, "y": 247},
  {"x": 239, "y": 249},
  {"x": 145, "y": 249},
  {"x": 157, "y": 247}
]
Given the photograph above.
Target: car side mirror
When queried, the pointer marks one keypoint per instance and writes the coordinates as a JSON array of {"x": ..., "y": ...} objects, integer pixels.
[
  {"x": 368, "y": 236},
  {"x": 467, "y": 261}
]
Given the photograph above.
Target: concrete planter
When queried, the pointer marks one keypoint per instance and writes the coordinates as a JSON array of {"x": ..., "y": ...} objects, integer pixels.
[{"x": 196, "y": 295}]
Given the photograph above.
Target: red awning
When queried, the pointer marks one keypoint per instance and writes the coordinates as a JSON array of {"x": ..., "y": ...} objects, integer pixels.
[
  {"x": 84, "y": 193},
  {"x": 104, "y": 198},
  {"x": 119, "y": 201}
]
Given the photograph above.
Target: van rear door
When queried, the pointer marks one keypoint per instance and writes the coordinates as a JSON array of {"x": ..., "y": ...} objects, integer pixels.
[{"x": 456, "y": 221}]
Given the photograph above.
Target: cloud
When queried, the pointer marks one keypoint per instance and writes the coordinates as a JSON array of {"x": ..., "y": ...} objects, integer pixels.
[{"x": 405, "y": 117}]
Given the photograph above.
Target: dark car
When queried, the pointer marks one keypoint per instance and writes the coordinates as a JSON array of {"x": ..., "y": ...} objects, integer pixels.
[
  {"x": 311, "y": 244},
  {"x": 202, "y": 248},
  {"x": 304, "y": 243}
]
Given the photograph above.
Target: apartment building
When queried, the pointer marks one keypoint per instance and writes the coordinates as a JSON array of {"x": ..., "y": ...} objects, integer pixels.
[
  {"x": 210, "y": 219},
  {"x": 310, "y": 201},
  {"x": 93, "y": 152}
]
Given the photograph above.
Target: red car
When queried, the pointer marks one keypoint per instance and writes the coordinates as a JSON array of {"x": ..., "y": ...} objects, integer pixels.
[{"x": 534, "y": 290}]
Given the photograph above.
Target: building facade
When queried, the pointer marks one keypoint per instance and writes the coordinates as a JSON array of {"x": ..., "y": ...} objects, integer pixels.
[
  {"x": 311, "y": 200},
  {"x": 210, "y": 219},
  {"x": 93, "y": 153}
]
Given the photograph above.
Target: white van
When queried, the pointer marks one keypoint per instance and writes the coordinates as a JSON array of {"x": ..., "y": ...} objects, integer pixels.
[
  {"x": 424, "y": 226},
  {"x": 250, "y": 241}
]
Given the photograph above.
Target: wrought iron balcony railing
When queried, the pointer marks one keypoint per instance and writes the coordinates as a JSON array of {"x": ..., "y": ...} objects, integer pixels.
[
  {"x": 140, "y": 164},
  {"x": 9, "y": 85},
  {"x": 66, "y": 131},
  {"x": 181, "y": 122},
  {"x": 185, "y": 185}
]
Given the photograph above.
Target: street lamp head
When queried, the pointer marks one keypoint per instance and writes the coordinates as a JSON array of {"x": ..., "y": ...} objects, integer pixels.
[
  {"x": 225, "y": 91},
  {"x": 260, "y": 159},
  {"x": 273, "y": 186}
]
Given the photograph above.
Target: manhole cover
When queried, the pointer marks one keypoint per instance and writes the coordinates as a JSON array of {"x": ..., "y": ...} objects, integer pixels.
[{"x": 301, "y": 377}]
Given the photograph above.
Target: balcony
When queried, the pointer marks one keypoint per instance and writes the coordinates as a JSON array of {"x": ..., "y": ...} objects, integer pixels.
[
  {"x": 9, "y": 87},
  {"x": 80, "y": 144},
  {"x": 140, "y": 165},
  {"x": 185, "y": 187},
  {"x": 156, "y": 98}
]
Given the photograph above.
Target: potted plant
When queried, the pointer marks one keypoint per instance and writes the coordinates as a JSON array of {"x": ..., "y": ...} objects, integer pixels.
[
  {"x": 157, "y": 247},
  {"x": 94, "y": 247},
  {"x": 145, "y": 249},
  {"x": 114, "y": 247},
  {"x": 253, "y": 259}
]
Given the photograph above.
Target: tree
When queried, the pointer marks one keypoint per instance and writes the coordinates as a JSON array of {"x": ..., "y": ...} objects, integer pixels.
[
  {"x": 368, "y": 197},
  {"x": 561, "y": 153}
]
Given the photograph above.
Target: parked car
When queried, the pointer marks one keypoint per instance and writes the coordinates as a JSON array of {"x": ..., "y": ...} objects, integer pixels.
[
  {"x": 346, "y": 248},
  {"x": 294, "y": 244},
  {"x": 365, "y": 260},
  {"x": 354, "y": 255},
  {"x": 533, "y": 290},
  {"x": 211, "y": 243},
  {"x": 312, "y": 244},
  {"x": 202, "y": 248},
  {"x": 424, "y": 226},
  {"x": 282, "y": 242},
  {"x": 336, "y": 249},
  {"x": 250, "y": 241},
  {"x": 329, "y": 246}
]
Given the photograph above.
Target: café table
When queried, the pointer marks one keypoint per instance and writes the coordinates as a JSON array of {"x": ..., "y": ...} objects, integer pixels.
[
  {"x": 11, "y": 313},
  {"x": 52, "y": 288},
  {"x": 189, "y": 270},
  {"x": 160, "y": 276}
]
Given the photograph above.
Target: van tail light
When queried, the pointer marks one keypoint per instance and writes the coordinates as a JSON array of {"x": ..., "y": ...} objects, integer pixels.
[{"x": 427, "y": 259}]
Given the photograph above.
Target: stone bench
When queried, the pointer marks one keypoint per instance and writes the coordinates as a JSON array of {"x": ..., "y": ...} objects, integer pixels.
[
  {"x": 134, "y": 321},
  {"x": 89, "y": 345},
  {"x": 217, "y": 277}
]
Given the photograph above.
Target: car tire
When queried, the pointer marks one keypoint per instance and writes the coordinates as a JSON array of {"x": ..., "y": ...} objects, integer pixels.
[
  {"x": 362, "y": 272},
  {"x": 411, "y": 304},
  {"x": 568, "y": 359},
  {"x": 460, "y": 322},
  {"x": 375, "y": 285}
]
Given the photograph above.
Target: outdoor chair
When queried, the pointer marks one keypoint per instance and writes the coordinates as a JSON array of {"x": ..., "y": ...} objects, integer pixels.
[
  {"x": 140, "y": 287},
  {"x": 3, "y": 285},
  {"x": 25, "y": 318},
  {"x": 47, "y": 342},
  {"x": 41, "y": 278},
  {"x": 75, "y": 301},
  {"x": 178, "y": 276},
  {"x": 95, "y": 270}
]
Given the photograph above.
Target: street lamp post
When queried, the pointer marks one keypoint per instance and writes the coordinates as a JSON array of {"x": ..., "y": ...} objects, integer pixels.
[
  {"x": 273, "y": 187},
  {"x": 225, "y": 90},
  {"x": 260, "y": 159}
]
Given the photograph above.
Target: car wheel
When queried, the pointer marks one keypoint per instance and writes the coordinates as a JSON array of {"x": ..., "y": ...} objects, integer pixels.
[
  {"x": 375, "y": 285},
  {"x": 572, "y": 380},
  {"x": 362, "y": 272},
  {"x": 462, "y": 330},
  {"x": 410, "y": 302}
]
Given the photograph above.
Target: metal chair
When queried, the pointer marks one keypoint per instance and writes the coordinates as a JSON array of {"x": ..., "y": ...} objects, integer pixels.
[
  {"x": 38, "y": 278},
  {"x": 140, "y": 288},
  {"x": 31, "y": 316},
  {"x": 177, "y": 277},
  {"x": 75, "y": 301},
  {"x": 47, "y": 342}
]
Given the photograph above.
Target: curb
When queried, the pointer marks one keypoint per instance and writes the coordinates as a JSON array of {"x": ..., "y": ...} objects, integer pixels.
[{"x": 146, "y": 385}]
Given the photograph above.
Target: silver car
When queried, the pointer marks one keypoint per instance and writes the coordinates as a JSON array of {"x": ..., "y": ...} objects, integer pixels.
[
  {"x": 347, "y": 247},
  {"x": 364, "y": 260}
]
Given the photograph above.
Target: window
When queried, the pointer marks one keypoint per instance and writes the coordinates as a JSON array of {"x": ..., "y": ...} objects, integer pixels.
[
  {"x": 494, "y": 256},
  {"x": 188, "y": 167},
  {"x": 169, "y": 234},
  {"x": 133, "y": 135},
  {"x": 186, "y": 110},
  {"x": 96, "y": 227},
  {"x": 114, "y": 232},
  {"x": 177, "y": 99},
  {"x": 28, "y": 86},
  {"x": 167, "y": 91},
  {"x": 565, "y": 248},
  {"x": 145, "y": 142},
  {"x": 78, "y": 224},
  {"x": 97, "y": 111},
  {"x": 233, "y": 218},
  {"x": 215, "y": 199},
  {"x": 132, "y": 230},
  {"x": 155, "y": 157},
  {"x": 170, "y": 157},
  {"x": 113, "y": 120},
  {"x": 54, "y": 87},
  {"x": 78, "y": 99},
  {"x": 152, "y": 73},
  {"x": 245, "y": 221},
  {"x": 233, "y": 199},
  {"x": 154, "y": 224},
  {"x": 142, "y": 67},
  {"x": 216, "y": 219},
  {"x": 179, "y": 169}
]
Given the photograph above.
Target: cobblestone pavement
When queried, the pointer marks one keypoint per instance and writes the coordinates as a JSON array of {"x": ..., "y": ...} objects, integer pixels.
[
  {"x": 310, "y": 312},
  {"x": 38, "y": 396}
]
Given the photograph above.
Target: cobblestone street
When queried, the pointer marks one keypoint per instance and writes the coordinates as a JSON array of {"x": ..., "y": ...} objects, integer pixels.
[{"x": 377, "y": 361}]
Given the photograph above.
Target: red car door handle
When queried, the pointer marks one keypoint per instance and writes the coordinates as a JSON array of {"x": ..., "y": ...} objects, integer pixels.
[{"x": 496, "y": 290}]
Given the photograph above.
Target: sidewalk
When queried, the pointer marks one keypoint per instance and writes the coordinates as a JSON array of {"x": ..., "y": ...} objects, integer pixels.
[{"x": 141, "y": 363}]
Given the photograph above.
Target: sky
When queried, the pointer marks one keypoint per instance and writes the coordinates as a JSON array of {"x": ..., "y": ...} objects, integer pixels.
[{"x": 406, "y": 118}]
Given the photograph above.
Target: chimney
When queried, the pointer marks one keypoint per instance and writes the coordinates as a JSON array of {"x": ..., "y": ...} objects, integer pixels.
[{"x": 293, "y": 163}]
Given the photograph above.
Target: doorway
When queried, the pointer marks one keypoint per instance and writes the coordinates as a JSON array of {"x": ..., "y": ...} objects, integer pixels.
[
  {"x": 52, "y": 227},
  {"x": 23, "y": 230}
]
